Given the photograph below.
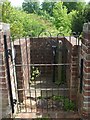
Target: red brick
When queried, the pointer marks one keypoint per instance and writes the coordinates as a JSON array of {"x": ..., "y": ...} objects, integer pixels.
[
  {"x": 86, "y": 81},
  {"x": 87, "y": 70},
  {"x": 87, "y": 88},
  {"x": 2, "y": 73},
  {"x": 86, "y": 93},
  {"x": 87, "y": 64},
  {"x": 85, "y": 115}
]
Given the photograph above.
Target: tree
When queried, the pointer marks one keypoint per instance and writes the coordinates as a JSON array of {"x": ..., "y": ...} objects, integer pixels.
[
  {"x": 13, "y": 17},
  {"x": 75, "y": 13},
  {"x": 77, "y": 22},
  {"x": 30, "y": 6},
  {"x": 74, "y": 6},
  {"x": 62, "y": 21},
  {"x": 6, "y": 11},
  {"x": 48, "y": 6},
  {"x": 80, "y": 17},
  {"x": 86, "y": 13},
  {"x": 23, "y": 24}
]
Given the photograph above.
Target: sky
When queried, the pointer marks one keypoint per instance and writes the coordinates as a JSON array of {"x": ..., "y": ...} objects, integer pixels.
[{"x": 18, "y": 3}]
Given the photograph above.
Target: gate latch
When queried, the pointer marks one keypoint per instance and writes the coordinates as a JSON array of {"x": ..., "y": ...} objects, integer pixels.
[{"x": 10, "y": 53}]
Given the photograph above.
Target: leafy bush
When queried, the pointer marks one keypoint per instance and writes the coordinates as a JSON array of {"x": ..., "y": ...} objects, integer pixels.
[
  {"x": 34, "y": 73},
  {"x": 23, "y": 24},
  {"x": 67, "y": 104}
]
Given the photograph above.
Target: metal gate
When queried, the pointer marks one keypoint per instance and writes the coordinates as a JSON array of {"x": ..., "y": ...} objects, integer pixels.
[{"x": 41, "y": 76}]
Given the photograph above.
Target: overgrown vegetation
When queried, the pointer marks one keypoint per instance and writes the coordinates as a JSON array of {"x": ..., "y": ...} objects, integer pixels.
[
  {"x": 55, "y": 17},
  {"x": 65, "y": 102},
  {"x": 23, "y": 24}
]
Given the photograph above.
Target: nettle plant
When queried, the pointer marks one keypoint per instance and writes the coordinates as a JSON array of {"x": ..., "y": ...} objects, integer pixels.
[{"x": 35, "y": 72}]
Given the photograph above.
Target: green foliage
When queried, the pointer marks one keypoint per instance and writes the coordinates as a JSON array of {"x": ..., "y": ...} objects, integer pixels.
[
  {"x": 58, "y": 98},
  {"x": 67, "y": 104},
  {"x": 70, "y": 16},
  {"x": 46, "y": 16},
  {"x": 13, "y": 17},
  {"x": 86, "y": 13},
  {"x": 77, "y": 22},
  {"x": 62, "y": 21},
  {"x": 70, "y": 6},
  {"x": 31, "y": 25},
  {"x": 30, "y": 6},
  {"x": 6, "y": 11},
  {"x": 40, "y": 97},
  {"x": 51, "y": 16},
  {"x": 74, "y": 6},
  {"x": 48, "y": 6},
  {"x": 78, "y": 18},
  {"x": 0, "y": 12},
  {"x": 23, "y": 24},
  {"x": 34, "y": 73}
]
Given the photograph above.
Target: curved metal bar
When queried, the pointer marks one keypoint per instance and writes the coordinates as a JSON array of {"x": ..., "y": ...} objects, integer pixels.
[
  {"x": 45, "y": 32},
  {"x": 59, "y": 34}
]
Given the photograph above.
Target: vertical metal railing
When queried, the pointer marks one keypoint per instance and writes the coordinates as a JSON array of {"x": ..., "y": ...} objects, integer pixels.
[{"x": 8, "y": 72}]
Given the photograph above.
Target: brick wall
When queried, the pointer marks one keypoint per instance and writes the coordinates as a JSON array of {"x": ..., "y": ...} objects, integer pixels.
[
  {"x": 5, "y": 108},
  {"x": 85, "y": 54},
  {"x": 41, "y": 52},
  {"x": 72, "y": 70},
  {"x": 74, "y": 73},
  {"x": 22, "y": 62}
]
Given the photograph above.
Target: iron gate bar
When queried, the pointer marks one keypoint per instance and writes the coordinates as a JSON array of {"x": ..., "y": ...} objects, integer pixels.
[
  {"x": 8, "y": 73},
  {"x": 48, "y": 89},
  {"x": 81, "y": 75},
  {"x": 14, "y": 73},
  {"x": 28, "y": 68},
  {"x": 40, "y": 87},
  {"x": 21, "y": 65},
  {"x": 67, "y": 64},
  {"x": 45, "y": 31},
  {"x": 24, "y": 86}
]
